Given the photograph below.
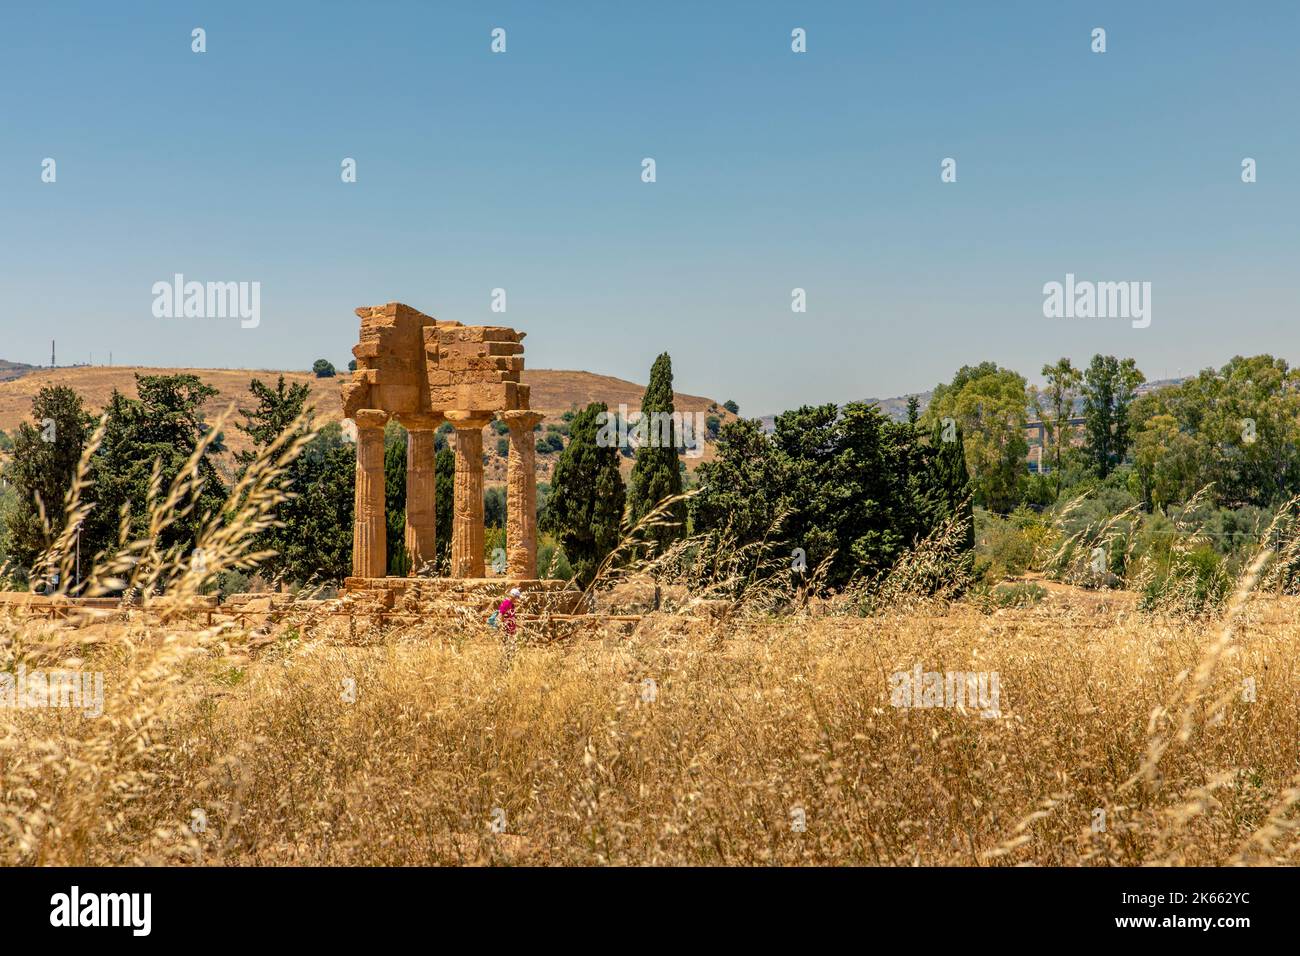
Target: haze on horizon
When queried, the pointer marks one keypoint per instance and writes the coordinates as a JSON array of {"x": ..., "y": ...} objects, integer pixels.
[{"x": 775, "y": 171}]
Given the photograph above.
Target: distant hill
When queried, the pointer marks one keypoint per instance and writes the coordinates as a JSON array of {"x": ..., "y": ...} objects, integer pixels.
[
  {"x": 553, "y": 392},
  {"x": 895, "y": 408},
  {"x": 12, "y": 370}
]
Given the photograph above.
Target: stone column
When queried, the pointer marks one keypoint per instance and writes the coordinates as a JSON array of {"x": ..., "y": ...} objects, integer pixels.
[
  {"x": 369, "y": 543},
  {"x": 521, "y": 495},
  {"x": 467, "y": 511},
  {"x": 421, "y": 507}
]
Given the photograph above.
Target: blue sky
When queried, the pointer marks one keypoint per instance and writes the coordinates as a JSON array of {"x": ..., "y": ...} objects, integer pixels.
[{"x": 775, "y": 170}]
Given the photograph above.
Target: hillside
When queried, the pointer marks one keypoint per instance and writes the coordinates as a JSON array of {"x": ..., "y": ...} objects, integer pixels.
[
  {"x": 12, "y": 370},
  {"x": 553, "y": 393}
]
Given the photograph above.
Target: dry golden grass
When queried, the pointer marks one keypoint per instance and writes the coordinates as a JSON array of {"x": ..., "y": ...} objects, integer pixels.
[{"x": 750, "y": 719}]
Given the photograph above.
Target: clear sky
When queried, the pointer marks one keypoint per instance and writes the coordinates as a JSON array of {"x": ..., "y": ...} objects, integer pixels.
[{"x": 775, "y": 170}]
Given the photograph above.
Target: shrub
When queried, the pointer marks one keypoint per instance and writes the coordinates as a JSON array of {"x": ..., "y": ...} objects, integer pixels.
[
  {"x": 1007, "y": 546},
  {"x": 551, "y": 562},
  {"x": 1197, "y": 583}
]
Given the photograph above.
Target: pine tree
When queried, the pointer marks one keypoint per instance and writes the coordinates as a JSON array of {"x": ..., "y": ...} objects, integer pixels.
[
  {"x": 316, "y": 542},
  {"x": 585, "y": 507},
  {"x": 657, "y": 472},
  {"x": 313, "y": 540},
  {"x": 276, "y": 410},
  {"x": 165, "y": 424}
]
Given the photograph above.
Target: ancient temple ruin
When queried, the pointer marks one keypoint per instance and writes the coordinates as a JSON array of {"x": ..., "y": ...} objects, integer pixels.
[{"x": 423, "y": 372}]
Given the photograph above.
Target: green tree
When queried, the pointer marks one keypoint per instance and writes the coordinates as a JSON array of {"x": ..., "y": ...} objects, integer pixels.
[
  {"x": 45, "y": 456},
  {"x": 315, "y": 544},
  {"x": 313, "y": 541},
  {"x": 946, "y": 484},
  {"x": 850, "y": 487},
  {"x": 742, "y": 491},
  {"x": 1109, "y": 385},
  {"x": 656, "y": 475},
  {"x": 731, "y": 406},
  {"x": 494, "y": 507},
  {"x": 585, "y": 507},
  {"x": 1238, "y": 429},
  {"x": 1165, "y": 459},
  {"x": 1063, "y": 381},
  {"x": 989, "y": 404},
  {"x": 323, "y": 368},
  {"x": 165, "y": 425},
  {"x": 913, "y": 409},
  {"x": 277, "y": 408}
]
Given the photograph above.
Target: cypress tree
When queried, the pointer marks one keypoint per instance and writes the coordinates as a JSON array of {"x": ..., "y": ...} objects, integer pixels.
[
  {"x": 952, "y": 484},
  {"x": 585, "y": 506},
  {"x": 657, "y": 472}
]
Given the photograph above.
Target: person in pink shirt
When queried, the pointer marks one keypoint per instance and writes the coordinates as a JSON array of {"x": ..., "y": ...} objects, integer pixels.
[{"x": 506, "y": 611}]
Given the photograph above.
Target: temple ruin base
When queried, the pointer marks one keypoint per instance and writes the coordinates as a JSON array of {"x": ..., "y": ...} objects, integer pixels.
[{"x": 541, "y": 595}]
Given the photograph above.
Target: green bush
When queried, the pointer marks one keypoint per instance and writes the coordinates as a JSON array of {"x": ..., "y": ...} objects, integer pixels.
[
  {"x": 1015, "y": 594},
  {"x": 551, "y": 562},
  {"x": 1197, "y": 582},
  {"x": 1006, "y": 547}
]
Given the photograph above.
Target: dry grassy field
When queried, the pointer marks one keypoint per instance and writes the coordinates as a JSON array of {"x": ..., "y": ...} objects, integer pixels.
[{"x": 692, "y": 741}]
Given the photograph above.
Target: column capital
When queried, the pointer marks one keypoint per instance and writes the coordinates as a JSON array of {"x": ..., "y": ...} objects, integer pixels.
[
  {"x": 468, "y": 421},
  {"x": 420, "y": 422},
  {"x": 522, "y": 418},
  {"x": 370, "y": 418}
]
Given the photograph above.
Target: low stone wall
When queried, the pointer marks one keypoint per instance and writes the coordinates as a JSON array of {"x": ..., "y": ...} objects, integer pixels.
[{"x": 482, "y": 595}]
